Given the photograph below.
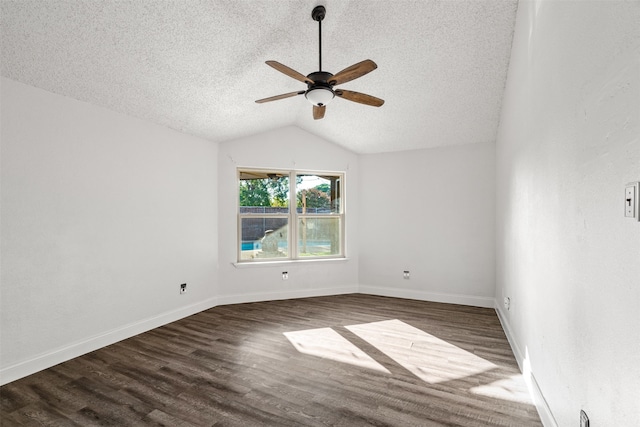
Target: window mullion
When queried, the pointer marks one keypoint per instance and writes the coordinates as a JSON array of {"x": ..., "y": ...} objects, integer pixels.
[{"x": 293, "y": 216}]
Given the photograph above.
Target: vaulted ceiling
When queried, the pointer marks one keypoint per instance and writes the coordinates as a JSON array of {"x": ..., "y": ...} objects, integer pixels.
[{"x": 198, "y": 65}]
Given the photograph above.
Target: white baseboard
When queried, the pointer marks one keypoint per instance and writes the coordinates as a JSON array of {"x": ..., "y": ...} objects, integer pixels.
[
  {"x": 520, "y": 357},
  {"x": 476, "y": 301},
  {"x": 62, "y": 354},
  {"x": 546, "y": 416},
  {"x": 289, "y": 294}
]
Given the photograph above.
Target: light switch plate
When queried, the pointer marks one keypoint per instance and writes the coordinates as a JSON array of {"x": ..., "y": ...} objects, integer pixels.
[{"x": 631, "y": 199}]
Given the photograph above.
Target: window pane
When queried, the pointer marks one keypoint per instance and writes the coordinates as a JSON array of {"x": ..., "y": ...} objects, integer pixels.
[
  {"x": 264, "y": 238},
  {"x": 318, "y": 193},
  {"x": 318, "y": 236},
  {"x": 264, "y": 192}
]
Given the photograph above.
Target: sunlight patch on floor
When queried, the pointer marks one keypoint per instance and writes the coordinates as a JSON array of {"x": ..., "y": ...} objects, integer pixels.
[
  {"x": 512, "y": 388},
  {"x": 328, "y": 344},
  {"x": 426, "y": 356}
]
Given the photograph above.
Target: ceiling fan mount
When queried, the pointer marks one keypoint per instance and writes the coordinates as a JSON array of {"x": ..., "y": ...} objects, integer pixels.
[
  {"x": 318, "y": 13},
  {"x": 320, "y": 84}
]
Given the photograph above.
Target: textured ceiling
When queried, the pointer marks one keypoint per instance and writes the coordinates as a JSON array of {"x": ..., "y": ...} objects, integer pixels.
[{"x": 198, "y": 66}]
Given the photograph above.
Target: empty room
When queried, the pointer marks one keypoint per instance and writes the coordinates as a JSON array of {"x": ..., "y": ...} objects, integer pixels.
[{"x": 320, "y": 213}]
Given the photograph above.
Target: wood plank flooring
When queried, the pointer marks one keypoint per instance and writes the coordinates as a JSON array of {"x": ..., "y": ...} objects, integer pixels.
[{"x": 349, "y": 360}]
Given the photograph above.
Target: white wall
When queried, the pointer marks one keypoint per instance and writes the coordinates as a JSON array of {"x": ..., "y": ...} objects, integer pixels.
[
  {"x": 288, "y": 148},
  {"x": 568, "y": 258},
  {"x": 103, "y": 216},
  {"x": 430, "y": 212}
]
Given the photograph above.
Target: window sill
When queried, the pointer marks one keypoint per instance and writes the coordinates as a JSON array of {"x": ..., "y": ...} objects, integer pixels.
[{"x": 258, "y": 264}]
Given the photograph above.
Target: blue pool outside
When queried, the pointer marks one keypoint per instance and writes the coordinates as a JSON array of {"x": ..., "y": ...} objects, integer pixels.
[
  {"x": 256, "y": 245},
  {"x": 251, "y": 246}
]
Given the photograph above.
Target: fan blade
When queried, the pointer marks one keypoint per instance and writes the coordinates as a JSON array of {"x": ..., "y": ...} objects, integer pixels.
[
  {"x": 361, "y": 98},
  {"x": 353, "y": 72},
  {"x": 318, "y": 112},
  {"x": 289, "y": 72},
  {"x": 284, "y": 95}
]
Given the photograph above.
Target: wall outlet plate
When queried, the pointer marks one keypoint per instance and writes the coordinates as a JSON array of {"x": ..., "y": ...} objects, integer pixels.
[
  {"x": 183, "y": 288},
  {"x": 584, "y": 420},
  {"x": 285, "y": 275}
]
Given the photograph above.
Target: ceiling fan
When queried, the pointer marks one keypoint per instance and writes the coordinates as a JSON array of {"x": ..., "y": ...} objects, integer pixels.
[{"x": 320, "y": 84}]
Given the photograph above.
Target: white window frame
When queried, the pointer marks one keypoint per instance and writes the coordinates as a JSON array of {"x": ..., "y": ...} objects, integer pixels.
[{"x": 293, "y": 216}]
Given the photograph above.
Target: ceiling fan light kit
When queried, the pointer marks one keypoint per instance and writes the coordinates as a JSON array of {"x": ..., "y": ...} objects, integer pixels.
[
  {"x": 320, "y": 84},
  {"x": 319, "y": 96}
]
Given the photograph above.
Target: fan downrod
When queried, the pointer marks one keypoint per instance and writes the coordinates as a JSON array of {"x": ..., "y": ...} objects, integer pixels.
[{"x": 317, "y": 14}]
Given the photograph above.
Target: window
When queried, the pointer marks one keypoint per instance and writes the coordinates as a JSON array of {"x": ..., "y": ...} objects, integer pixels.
[{"x": 289, "y": 215}]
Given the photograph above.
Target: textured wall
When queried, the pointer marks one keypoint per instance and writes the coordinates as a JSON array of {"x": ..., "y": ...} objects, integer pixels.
[
  {"x": 567, "y": 257},
  {"x": 103, "y": 217},
  {"x": 430, "y": 212}
]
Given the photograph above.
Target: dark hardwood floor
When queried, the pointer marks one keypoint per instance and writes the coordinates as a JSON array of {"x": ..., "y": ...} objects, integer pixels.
[{"x": 349, "y": 360}]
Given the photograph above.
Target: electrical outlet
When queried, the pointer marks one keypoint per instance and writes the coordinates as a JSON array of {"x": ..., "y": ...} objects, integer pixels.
[
  {"x": 183, "y": 288},
  {"x": 507, "y": 303},
  {"x": 584, "y": 420},
  {"x": 285, "y": 275},
  {"x": 406, "y": 274}
]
